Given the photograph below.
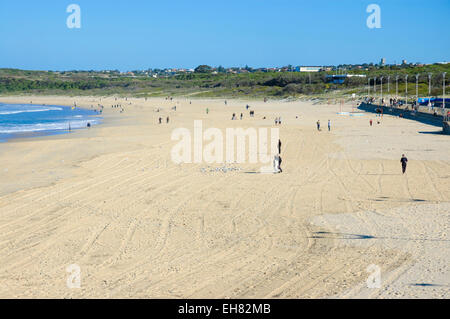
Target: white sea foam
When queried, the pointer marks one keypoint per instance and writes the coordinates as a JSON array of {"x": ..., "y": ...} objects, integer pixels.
[
  {"x": 47, "y": 126},
  {"x": 30, "y": 110}
]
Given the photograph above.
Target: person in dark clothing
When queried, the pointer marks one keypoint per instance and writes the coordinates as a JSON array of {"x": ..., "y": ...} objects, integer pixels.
[
  {"x": 279, "y": 146},
  {"x": 404, "y": 162},
  {"x": 279, "y": 164}
]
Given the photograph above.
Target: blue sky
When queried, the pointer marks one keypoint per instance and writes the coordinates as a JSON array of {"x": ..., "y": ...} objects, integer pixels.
[{"x": 138, "y": 34}]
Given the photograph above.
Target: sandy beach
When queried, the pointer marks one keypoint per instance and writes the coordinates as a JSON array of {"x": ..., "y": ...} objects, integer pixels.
[{"x": 111, "y": 200}]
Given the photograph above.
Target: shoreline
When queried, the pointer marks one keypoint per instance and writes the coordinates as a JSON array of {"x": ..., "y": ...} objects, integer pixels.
[{"x": 23, "y": 136}]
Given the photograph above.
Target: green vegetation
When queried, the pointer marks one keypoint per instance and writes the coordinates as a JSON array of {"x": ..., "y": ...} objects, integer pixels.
[{"x": 206, "y": 82}]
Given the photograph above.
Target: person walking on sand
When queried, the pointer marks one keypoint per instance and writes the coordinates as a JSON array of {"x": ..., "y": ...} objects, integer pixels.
[
  {"x": 329, "y": 125},
  {"x": 277, "y": 164},
  {"x": 279, "y": 146},
  {"x": 318, "y": 125},
  {"x": 207, "y": 110},
  {"x": 160, "y": 120},
  {"x": 371, "y": 122},
  {"x": 404, "y": 162},
  {"x": 167, "y": 120}
]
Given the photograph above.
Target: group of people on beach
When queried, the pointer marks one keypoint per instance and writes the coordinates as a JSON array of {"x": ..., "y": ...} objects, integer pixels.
[
  {"x": 161, "y": 119},
  {"x": 318, "y": 125},
  {"x": 370, "y": 100},
  {"x": 99, "y": 111},
  {"x": 234, "y": 117},
  {"x": 394, "y": 101},
  {"x": 278, "y": 120},
  {"x": 116, "y": 106}
]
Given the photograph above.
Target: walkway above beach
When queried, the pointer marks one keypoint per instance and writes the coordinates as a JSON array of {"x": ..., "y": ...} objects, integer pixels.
[{"x": 423, "y": 115}]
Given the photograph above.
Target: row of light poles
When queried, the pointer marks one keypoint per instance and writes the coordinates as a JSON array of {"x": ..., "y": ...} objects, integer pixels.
[{"x": 406, "y": 87}]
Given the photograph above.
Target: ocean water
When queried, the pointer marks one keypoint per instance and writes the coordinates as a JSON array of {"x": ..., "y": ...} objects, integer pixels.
[{"x": 29, "y": 120}]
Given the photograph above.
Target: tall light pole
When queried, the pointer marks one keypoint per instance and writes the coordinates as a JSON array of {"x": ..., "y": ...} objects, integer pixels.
[
  {"x": 417, "y": 85},
  {"x": 443, "y": 93},
  {"x": 406, "y": 90},
  {"x": 374, "y": 87},
  {"x": 429, "y": 90},
  {"x": 368, "y": 88},
  {"x": 381, "y": 79},
  {"x": 389, "y": 89},
  {"x": 417, "y": 88},
  {"x": 396, "y": 86}
]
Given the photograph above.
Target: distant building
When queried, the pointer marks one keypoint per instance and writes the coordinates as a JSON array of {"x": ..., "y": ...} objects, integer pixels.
[
  {"x": 356, "y": 75},
  {"x": 404, "y": 62},
  {"x": 309, "y": 68},
  {"x": 340, "y": 78},
  {"x": 383, "y": 62}
]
